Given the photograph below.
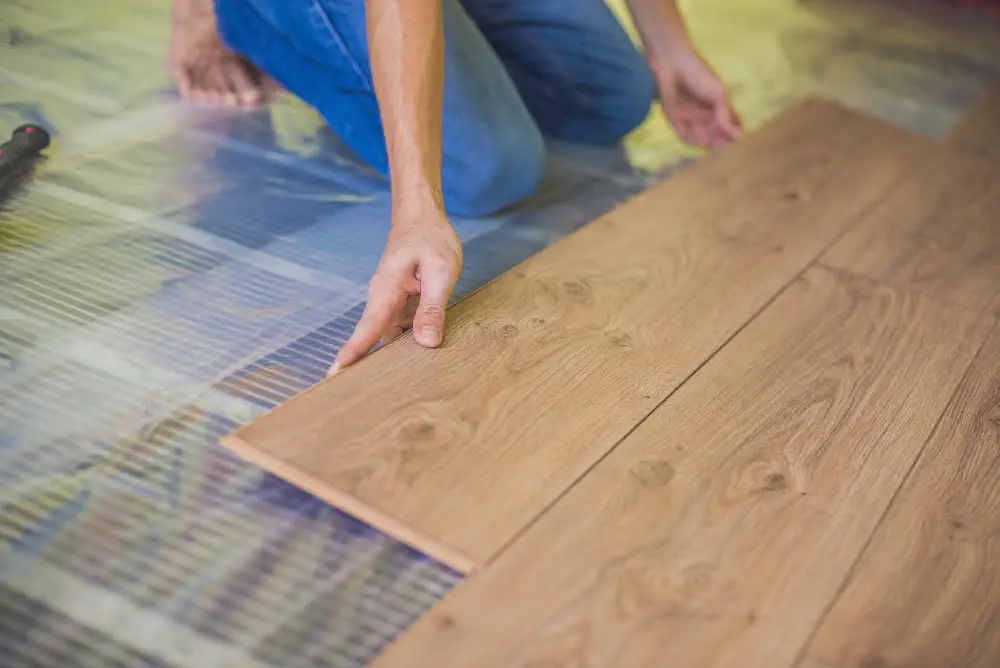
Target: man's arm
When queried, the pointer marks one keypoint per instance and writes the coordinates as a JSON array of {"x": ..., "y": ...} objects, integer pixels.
[
  {"x": 204, "y": 69},
  {"x": 406, "y": 48},
  {"x": 423, "y": 255},
  {"x": 693, "y": 96},
  {"x": 661, "y": 27}
]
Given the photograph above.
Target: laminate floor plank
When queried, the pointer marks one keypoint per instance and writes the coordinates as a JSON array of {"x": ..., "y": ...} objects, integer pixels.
[
  {"x": 543, "y": 371},
  {"x": 926, "y": 592},
  {"x": 719, "y": 531},
  {"x": 978, "y": 132},
  {"x": 938, "y": 232}
]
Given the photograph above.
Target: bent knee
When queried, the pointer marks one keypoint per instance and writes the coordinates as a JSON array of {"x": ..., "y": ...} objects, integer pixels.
[
  {"x": 607, "y": 113},
  {"x": 632, "y": 104},
  {"x": 487, "y": 179}
]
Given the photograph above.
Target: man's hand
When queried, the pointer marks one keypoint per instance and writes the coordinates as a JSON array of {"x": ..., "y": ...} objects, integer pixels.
[
  {"x": 411, "y": 287},
  {"x": 422, "y": 255},
  {"x": 695, "y": 100},
  {"x": 204, "y": 69},
  {"x": 692, "y": 94}
]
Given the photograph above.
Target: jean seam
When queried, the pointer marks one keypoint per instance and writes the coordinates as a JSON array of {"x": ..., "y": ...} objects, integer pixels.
[{"x": 338, "y": 39}]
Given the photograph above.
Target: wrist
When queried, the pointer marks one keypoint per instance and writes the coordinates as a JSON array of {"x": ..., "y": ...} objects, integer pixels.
[
  {"x": 416, "y": 200},
  {"x": 672, "y": 42}
]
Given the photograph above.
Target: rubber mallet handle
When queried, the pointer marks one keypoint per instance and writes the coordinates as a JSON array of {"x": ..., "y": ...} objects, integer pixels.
[{"x": 25, "y": 143}]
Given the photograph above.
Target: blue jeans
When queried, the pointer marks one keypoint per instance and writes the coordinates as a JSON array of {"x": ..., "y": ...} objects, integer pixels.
[{"x": 515, "y": 71}]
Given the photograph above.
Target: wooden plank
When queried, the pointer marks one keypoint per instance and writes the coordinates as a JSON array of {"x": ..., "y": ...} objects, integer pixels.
[
  {"x": 719, "y": 531},
  {"x": 937, "y": 233},
  {"x": 978, "y": 132},
  {"x": 926, "y": 593},
  {"x": 457, "y": 450}
]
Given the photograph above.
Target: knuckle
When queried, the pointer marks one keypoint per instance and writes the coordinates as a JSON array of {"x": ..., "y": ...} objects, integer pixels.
[
  {"x": 378, "y": 280},
  {"x": 438, "y": 262},
  {"x": 382, "y": 292},
  {"x": 444, "y": 265},
  {"x": 432, "y": 311}
]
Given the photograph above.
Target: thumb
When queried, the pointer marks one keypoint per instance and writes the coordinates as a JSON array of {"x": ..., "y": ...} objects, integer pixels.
[{"x": 428, "y": 322}]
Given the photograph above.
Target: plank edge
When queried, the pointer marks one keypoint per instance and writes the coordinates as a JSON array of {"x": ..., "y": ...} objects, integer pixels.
[
  {"x": 381, "y": 521},
  {"x": 960, "y": 133}
]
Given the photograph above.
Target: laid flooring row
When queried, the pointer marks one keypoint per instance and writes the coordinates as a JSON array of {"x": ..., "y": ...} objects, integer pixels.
[
  {"x": 547, "y": 368},
  {"x": 751, "y": 417}
]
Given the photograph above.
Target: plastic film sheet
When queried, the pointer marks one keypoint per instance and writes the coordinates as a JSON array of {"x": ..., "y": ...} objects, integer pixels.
[{"x": 170, "y": 271}]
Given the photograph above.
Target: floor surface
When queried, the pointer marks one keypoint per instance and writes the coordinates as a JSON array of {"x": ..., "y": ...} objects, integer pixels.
[
  {"x": 171, "y": 272},
  {"x": 844, "y": 437}
]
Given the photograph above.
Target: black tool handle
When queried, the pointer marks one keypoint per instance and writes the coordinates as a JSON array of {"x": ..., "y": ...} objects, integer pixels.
[{"x": 25, "y": 143}]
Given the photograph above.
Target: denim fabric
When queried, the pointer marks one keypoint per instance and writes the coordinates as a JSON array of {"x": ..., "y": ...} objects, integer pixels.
[{"x": 515, "y": 71}]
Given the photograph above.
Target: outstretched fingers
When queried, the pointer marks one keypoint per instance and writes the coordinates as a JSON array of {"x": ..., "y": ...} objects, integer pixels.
[
  {"x": 225, "y": 79},
  {"x": 243, "y": 91},
  {"x": 380, "y": 315},
  {"x": 727, "y": 119}
]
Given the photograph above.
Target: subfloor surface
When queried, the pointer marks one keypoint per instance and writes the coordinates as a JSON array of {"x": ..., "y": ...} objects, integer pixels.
[{"x": 171, "y": 272}]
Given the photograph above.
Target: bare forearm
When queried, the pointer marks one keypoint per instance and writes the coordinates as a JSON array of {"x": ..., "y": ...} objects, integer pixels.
[
  {"x": 406, "y": 48},
  {"x": 661, "y": 27},
  {"x": 188, "y": 9}
]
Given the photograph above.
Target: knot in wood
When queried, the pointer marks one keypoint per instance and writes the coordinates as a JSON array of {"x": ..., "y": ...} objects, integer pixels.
[
  {"x": 618, "y": 337},
  {"x": 873, "y": 661},
  {"x": 653, "y": 473},
  {"x": 445, "y": 621},
  {"x": 775, "y": 482},
  {"x": 577, "y": 289},
  {"x": 795, "y": 195},
  {"x": 418, "y": 431},
  {"x": 509, "y": 330}
]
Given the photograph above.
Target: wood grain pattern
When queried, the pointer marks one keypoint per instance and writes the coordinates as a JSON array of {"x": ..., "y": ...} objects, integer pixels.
[
  {"x": 457, "y": 450},
  {"x": 718, "y": 532},
  {"x": 926, "y": 593},
  {"x": 937, "y": 232},
  {"x": 978, "y": 132}
]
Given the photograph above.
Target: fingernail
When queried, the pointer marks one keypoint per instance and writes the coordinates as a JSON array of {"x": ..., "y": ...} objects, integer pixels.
[
  {"x": 432, "y": 334},
  {"x": 333, "y": 370}
]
